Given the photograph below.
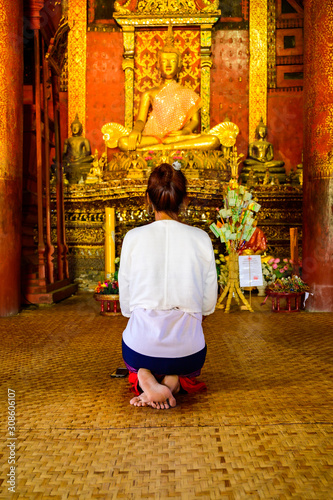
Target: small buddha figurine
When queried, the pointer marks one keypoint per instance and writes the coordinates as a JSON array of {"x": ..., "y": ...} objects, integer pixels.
[
  {"x": 261, "y": 156},
  {"x": 76, "y": 155},
  {"x": 95, "y": 172},
  {"x": 251, "y": 179},
  {"x": 267, "y": 178},
  {"x": 168, "y": 115},
  {"x": 299, "y": 171}
]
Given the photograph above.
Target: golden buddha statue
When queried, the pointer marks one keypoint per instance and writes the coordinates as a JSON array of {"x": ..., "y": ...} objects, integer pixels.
[
  {"x": 261, "y": 156},
  {"x": 168, "y": 115},
  {"x": 76, "y": 155}
]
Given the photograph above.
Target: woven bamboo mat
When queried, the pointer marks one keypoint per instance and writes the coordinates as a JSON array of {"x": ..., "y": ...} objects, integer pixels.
[{"x": 263, "y": 430}]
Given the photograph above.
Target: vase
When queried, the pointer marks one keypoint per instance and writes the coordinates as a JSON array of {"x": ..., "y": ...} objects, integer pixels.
[{"x": 109, "y": 304}]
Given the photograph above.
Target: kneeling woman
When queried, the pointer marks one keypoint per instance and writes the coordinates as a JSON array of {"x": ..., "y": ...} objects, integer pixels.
[{"x": 167, "y": 283}]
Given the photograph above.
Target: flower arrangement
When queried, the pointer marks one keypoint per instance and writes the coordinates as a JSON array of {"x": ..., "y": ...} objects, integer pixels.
[
  {"x": 282, "y": 268},
  {"x": 291, "y": 284},
  {"x": 268, "y": 273},
  {"x": 109, "y": 286},
  {"x": 150, "y": 159}
]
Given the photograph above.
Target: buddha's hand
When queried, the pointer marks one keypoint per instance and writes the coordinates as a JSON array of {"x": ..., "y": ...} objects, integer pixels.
[
  {"x": 183, "y": 131},
  {"x": 134, "y": 139}
]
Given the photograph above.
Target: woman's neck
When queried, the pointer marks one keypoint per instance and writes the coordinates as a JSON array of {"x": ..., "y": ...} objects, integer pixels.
[{"x": 164, "y": 216}]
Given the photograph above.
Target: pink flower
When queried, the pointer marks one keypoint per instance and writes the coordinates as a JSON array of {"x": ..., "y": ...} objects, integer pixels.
[
  {"x": 285, "y": 260},
  {"x": 271, "y": 261},
  {"x": 282, "y": 270},
  {"x": 274, "y": 266},
  {"x": 277, "y": 261}
]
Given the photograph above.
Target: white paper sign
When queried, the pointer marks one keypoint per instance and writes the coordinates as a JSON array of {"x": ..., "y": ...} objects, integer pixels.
[{"x": 250, "y": 270}]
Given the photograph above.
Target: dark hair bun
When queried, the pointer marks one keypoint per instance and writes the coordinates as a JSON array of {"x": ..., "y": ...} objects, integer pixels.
[
  {"x": 166, "y": 189},
  {"x": 166, "y": 173}
]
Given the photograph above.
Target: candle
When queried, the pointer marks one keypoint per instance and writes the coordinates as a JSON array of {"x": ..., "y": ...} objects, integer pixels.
[{"x": 110, "y": 242}]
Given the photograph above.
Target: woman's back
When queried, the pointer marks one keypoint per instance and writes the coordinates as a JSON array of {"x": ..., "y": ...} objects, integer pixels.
[{"x": 168, "y": 265}]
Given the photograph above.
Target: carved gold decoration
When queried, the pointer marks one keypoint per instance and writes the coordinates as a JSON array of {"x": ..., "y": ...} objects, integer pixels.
[
  {"x": 57, "y": 49},
  {"x": 206, "y": 64},
  {"x": 64, "y": 74},
  {"x": 227, "y": 133},
  {"x": 271, "y": 44},
  {"x": 77, "y": 20},
  {"x": 112, "y": 132},
  {"x": 164, "y": 7},
  {"x": 128, "y": 67},
  {"x": 281, "y": 208},
  {"x": 140, "y": 21},
  {"x": 196, "y": 164},
  {"x": 258, "y": 65}
]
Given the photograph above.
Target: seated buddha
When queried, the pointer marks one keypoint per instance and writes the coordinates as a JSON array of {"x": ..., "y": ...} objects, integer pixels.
[
  {"x": 261, "y": 156},
  {"x": 77, "y": 156},
  {"x": 168, "y": 115}
]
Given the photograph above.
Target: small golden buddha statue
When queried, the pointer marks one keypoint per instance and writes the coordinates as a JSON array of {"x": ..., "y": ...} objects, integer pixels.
[
  {"x": 261, "y": 156},
  {"x": 168, "y": 115},
  {"x": 76, "y": 155}
]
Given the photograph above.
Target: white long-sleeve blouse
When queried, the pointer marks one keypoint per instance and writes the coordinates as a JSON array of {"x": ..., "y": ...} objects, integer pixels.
[{"x": 167, "y": 265}]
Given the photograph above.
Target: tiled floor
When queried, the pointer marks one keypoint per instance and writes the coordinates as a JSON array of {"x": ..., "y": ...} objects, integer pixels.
[{"x": 263, "y": 429}]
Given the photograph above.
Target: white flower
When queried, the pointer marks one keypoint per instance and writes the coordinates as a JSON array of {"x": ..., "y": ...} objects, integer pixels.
[{"x": 177, "y": 165}]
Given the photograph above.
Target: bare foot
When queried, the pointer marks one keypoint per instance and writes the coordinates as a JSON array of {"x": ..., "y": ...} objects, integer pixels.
[
  {"x": 140, "y": 400},
  {"x": 159, "y": 395},
  {"x": 172, "y": 381}
]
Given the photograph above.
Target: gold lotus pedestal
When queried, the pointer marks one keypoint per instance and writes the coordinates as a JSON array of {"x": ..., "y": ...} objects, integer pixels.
[{"x": 232, "y": 288}]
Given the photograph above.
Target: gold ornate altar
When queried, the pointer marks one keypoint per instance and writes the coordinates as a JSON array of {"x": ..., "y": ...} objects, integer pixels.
[{"x": 281, "y": 209}]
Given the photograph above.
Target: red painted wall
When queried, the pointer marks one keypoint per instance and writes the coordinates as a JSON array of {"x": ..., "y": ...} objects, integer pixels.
[
  {"x": 230, "y": 82},
  {"x": 285, "y": 126},
  {"x": 105, "y": 99}
]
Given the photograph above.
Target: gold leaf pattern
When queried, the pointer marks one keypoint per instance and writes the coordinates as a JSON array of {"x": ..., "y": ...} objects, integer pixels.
[
  {"x": 258, "y": 65},
  {"x": 77, "y": 38}
]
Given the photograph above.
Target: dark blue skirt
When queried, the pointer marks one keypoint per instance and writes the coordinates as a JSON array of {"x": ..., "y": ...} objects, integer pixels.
[{"x": 186, "y": 366}]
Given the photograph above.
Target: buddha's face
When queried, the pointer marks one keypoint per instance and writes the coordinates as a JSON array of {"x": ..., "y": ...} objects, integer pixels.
[
  {"x": 76, "y": 128},
  {"x": 168, "y": 64},
  {"x": 262, "y": 132}
]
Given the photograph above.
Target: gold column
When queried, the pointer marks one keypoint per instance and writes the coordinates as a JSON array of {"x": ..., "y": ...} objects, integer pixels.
[
  {"x": 77, "y": 43},
  {"x": 206, "y": 64},
  {"x": 128, "y": 67},
  {"x": 110, "y": 242},
  {"x": 258, "y": 65}
]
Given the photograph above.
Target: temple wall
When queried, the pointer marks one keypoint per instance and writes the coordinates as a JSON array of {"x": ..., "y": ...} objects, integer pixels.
[
  {"x": 230, "y": 82},
  {"x": 105, "y": 99},
  {"x": 285, "y": 126}
]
